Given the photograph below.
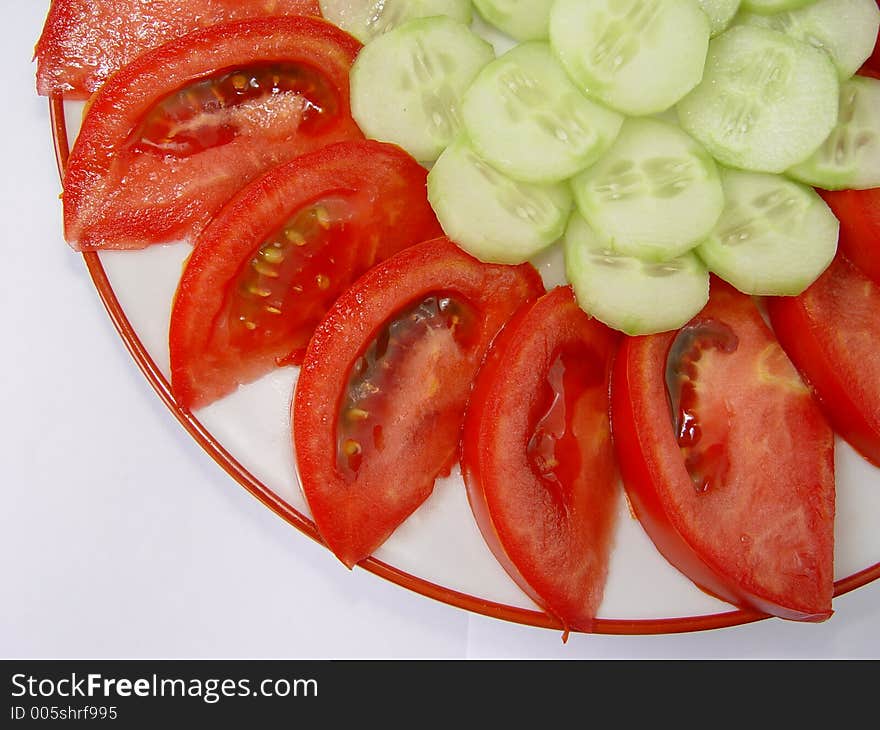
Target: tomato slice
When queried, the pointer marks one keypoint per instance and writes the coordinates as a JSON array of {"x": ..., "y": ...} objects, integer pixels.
[
  {"x": 831, "y": 333},
  {"x": 541, "y": 478},
  {"x": 873, "y": 62},
  {"x": 382, "y": 392},
  {"x": 859, "y": 215},
  {"x": 727, "y": 460},
  {"x": 169, "y": 138},
  {"x": 85, "y": 41},
  {"x": 269, "y": 265}
]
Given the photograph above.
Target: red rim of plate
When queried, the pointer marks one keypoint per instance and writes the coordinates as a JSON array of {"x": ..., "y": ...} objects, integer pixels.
[{"x": 228, "y": 463}]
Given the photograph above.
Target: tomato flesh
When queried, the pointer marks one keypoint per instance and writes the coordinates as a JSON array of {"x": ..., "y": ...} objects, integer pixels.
[
  {"x": 751, "y": 519},
  {"x": 271, "y": 263},
  {"x": 703, "y": 441},
  {"x": 873, "y": 63},
  {"x": 170, "y": 137},
  {"x": 386, "y": 378},
  {"x": 203, "y": 114},
  {"x": 859, "y": 215},
  {"x": 421, "y": 342},
  {"x": 312, "y": 249},
  {"x": 537, "y": 456},
  {"x": 85, "y": 41},
  {"x": 552, "y": 448},
  {"x": 831, "y": 333}
]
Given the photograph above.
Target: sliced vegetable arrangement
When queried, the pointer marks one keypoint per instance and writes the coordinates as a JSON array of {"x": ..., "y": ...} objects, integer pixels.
[
  {"x": 768, "y": 90},
  {"x": 542, "y": 480},
  {"x": 739, "y": 495},
  {"x": 170, "y": 137},
  {"x": 85, "y": 41},
  {"x": 831, "y": 333},
  {"x": 275, "y": 258},
  {"x": 385, "y": 384},
  {"x": 666, "y": 149}
]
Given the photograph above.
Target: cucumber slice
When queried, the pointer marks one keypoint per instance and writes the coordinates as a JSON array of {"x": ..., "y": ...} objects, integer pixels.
[
  {"x": 768, "y": 7},
  {"x": 766, "y": 101},
  {"x": 628, "y": 294},
  {"x": 526, "y": 118},
  {"x": 774, "y": 238},
  {"x": 366, "y": 19},
  {"x": 720, "y": 13},
  {"x": 492, "y": 217},
  {"x": 655, "y": 194},
  {"x": 850, "y": 157},
  {"x": 845, "y": 29},
  {"x": 406, "y": 85},
  {"x": 525, "y": 20},
  {"x": 639, "y": 57}
]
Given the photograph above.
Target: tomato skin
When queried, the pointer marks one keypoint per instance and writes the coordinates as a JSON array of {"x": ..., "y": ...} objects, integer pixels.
[
  {"x": 118, "y": 196},
  {"x": 356, "y": 514},
  {"x": 873, "y": 62},
  {"x": 859, "y": 215},
  {"x": 562, "y": 562},
  {"x": 206, "y": 361},
  {"x": 85, "y": 41},
  {"x": 831, "y": 332},
  {"x": 737, "y": 540}
]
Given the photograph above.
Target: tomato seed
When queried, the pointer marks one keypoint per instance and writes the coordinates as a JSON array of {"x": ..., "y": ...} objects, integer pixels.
[
  {"x": 259, "y": 291},
  {"x": 265, "y": 269},
  {"x": 351, "y": 447},
  {"x": 295, "y": 237}
]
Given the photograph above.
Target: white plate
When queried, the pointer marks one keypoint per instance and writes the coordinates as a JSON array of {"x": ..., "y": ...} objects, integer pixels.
[{"x": 439, "y": 550}]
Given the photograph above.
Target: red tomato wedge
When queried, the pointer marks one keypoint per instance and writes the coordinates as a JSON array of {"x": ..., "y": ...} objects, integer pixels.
[
  {"x": 537, "y": 456},
  {"x": 727, "y": 460},
  {"x": 873, "y": 62},
  {"x": 85, "y": 41},
  {"x": 831, "y": 332},
  {"x": 173, "y": 135},
  {"x": 382, "y": 392},
  {"x": 859, "y": 215},
  {"x": 270, "y": 264}
]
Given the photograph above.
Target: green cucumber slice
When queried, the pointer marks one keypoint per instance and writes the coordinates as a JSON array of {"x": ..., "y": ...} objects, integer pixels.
[
  {"x": 489, "y": 215},
  {"x": 655, "y": 194},
  {"x": 774, "y": 238},
  {"x": 766, "y": 101},
  {"x": 845, "y": 29},
  {"x": 850, "y": 158},
  {"x": 628, "y": 294},
  {"x": 768, "y": 7},
  {"x": 366, "y": 19},
  {"x": 638, "y": 57},
  {"x": 524, "y": 20},
  {"x": 720, "y": 13},
  {"x": 526, "y": 118},
  {"x": 406, "y": 85}
]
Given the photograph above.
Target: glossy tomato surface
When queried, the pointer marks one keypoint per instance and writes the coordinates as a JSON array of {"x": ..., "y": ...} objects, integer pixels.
[
  {"x": 859, "y": 215},
  {"x": 382, "y": 392},
  {"x": 727, "y": 460},
  {"x": 832, "y": 333},
  {"x": 873, "y": 62},
  {"x": 273, "y": 260},
  {"x": 172, "y": 136},
  {"x": 537, "y": 456},
  {"x": 85, "y": 41}
]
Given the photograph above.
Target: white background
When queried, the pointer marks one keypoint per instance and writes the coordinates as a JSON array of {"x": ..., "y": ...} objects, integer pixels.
[{"x": 119, "y": 537}]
